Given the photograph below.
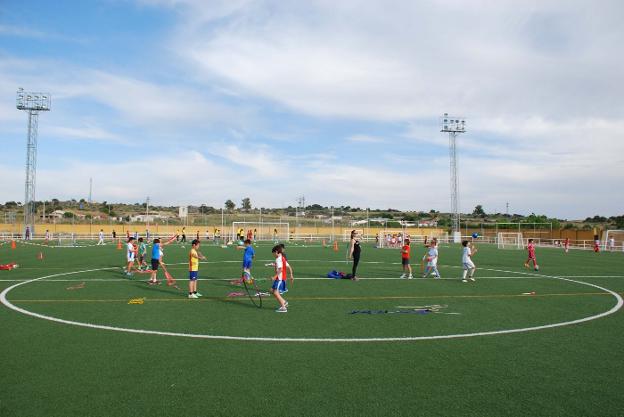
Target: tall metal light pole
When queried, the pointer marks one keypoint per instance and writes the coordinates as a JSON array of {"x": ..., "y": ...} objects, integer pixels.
[
  {"x": 453, "y": 125},
  {"x": 33, "y": 103}
]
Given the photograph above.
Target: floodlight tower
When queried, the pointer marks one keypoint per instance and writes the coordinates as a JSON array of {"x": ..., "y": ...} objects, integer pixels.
[
  {"x": 33, "y": 103},
  {"x": 453, "y": 125}
]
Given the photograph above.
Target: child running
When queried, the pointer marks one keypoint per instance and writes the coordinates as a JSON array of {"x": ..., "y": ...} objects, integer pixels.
[
  {"x": 469, "y": 266},
  {"x": 531, "y": 256},
  {"x": 283, "y": 288},
  {"x": 405, "y": 260},
  {"x": 248, "y": 257},
  {"x": 280, "y": 275},
  {"x": 432, "y": 260},
  {"x": 194, "y": 257}
]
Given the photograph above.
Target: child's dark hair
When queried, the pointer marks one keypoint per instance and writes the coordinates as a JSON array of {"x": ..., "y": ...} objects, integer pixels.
[
  {"x": 465, "y": 243},
  {"x": 247, "y": 241},
  {"x": 195, "y": 242},
  {"x": 156, "y": 240},
  {"x": 130, "y": 239},
  {"x": 276, "y": 249},
  {"x": 281, "y": 245},
  {"x": 530, "y": 240},
  {"x": 140, "y": 239}
]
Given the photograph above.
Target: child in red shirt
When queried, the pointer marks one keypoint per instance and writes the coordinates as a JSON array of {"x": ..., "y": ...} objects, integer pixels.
[
  {"x": 531, "y": 257},
  {"x": 405, "y": 260}
]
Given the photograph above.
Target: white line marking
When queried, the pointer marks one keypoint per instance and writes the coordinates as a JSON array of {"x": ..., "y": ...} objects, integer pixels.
[
  {"x": 8, "y": 304},
  {"x": 418, "y": 279}
]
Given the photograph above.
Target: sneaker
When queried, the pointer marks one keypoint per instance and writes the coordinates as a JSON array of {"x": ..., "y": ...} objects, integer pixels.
[
  {"x": 471, "y": 279},
  {"x": 464, "y": 280},
  {"x": 15, "y": 266},
  {"x": 410, "y": 276},
  {"x": 355, "y": 279},
  {"x": 281, "y": 310},
  {"x": 403, "y": 276},
  {"x": 198, "y": 294},
  {"x": 193, "y": 296},
  {"x": 285, "y": 303}
]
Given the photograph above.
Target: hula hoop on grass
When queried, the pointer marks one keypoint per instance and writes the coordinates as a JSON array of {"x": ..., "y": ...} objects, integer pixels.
[{"x": 254, "y": 293}]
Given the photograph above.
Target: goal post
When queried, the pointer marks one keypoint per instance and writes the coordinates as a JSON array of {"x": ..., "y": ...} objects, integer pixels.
[
  {"x": 391, "y": 238},
  {"x": 614, "y": 240},
  {"x": 510, "y": 240},
  {"x": 275, "y": 231},
  {"x": 66, "y": 239}
]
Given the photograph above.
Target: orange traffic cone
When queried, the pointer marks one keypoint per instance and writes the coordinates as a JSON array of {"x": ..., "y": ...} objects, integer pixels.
[
  {"x": 119, "y": 244},
  {"x": 40, "y": 256},
  {"x": 12, "y": 244},
  {"x": 335, "y": 246}
]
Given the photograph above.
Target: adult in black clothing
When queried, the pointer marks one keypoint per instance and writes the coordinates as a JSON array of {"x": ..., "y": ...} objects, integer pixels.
[{"x": 354, "y": 253}]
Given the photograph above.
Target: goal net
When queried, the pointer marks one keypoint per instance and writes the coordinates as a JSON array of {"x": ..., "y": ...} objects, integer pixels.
[
  {"x": 614, "y": 240},
  {"x": 509, "y": 240},
  {"x": 277, "y": 231},
  {"x": 66, "y": 239},
  {"x": 391, "y": 238}
]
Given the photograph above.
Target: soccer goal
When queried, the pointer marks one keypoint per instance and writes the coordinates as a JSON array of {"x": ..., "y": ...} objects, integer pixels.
[
  {"x": 510, "y": 240},
  {"x": 66, "y": 239},
  {"x": 391, "y": 238},
  {"x": 614, "y": 240},
  {"x": 276, "y": 231}
]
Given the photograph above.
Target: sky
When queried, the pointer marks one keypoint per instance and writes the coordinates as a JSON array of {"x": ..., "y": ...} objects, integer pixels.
[{"x": 198, "y": 101}]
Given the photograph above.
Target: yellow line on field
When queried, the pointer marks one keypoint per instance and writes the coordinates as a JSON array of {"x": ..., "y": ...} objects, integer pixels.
[{"x": 400, "y": 297}]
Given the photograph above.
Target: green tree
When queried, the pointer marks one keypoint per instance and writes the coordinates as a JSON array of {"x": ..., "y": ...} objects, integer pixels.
[
  {"x": 478, "y": 211},
  {"x": 230, "y": 205},
  {"x": 246, "y": 204}
]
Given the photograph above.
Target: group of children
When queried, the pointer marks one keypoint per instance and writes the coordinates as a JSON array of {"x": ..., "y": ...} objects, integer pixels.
[
  {"x": 137, "y": 253},
  {"x": 468, "y": 250}
]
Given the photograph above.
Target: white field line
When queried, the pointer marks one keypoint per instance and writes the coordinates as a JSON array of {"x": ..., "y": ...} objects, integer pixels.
[
  {"x": 7, "y": 303},
  {"x": 417, "y": 279}
]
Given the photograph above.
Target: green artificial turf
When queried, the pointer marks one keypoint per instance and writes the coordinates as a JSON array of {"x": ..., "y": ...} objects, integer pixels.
[{"x": 54, "y": 369}]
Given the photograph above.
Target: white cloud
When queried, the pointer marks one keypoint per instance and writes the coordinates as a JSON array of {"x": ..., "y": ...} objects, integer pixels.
[
  {"x": 393, "y": 60},
  {"x": 366, "y": 139},
  {"x": 90, "y": 132}
]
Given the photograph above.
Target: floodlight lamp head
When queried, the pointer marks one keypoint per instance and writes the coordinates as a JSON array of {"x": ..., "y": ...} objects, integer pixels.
[
  {"x": 452, "y": 124},
  {"x": 32, "y": 101}
]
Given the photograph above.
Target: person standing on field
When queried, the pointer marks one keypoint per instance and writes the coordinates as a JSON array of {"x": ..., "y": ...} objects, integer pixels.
[{"x": 354, "y": 253}]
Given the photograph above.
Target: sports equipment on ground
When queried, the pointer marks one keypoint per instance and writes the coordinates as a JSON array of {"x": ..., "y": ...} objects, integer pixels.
[
  {"x": 253, "y": 292},
  {"x": 510, "y": 240}
]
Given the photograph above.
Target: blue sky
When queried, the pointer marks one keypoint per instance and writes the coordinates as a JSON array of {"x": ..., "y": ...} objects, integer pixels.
[{"x": 194, "y": 102}]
